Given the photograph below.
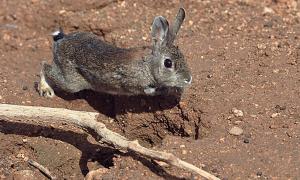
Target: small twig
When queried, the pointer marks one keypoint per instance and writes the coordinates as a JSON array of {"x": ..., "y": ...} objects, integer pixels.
[
  {"x": 40, "y": 167},
  {"x": 89, "y": 120}
]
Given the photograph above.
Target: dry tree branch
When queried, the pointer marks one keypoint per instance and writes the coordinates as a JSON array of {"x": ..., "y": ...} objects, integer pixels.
[
  {"x": 89, "y": 120},
  {"x": 44, "y": 170}
]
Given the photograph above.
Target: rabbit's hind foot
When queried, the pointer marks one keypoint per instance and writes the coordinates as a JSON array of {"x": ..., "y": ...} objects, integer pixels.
[{"x": 43, "y": 87}]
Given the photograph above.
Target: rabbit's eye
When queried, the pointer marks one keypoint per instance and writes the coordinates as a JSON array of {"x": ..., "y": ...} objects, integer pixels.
[{"x": 168, "y": 63}]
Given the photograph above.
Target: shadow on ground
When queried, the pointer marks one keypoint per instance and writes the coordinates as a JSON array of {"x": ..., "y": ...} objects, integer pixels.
[{"x": 90, "y": 152}]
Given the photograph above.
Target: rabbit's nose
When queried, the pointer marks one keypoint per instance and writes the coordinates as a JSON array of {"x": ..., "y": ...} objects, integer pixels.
[{"x": 188, "y": 80}]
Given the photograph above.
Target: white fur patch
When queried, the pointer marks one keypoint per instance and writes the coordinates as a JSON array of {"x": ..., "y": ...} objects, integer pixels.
[
  {"x": 149, "y": 91},
  {"x": 55, "y": 33}
]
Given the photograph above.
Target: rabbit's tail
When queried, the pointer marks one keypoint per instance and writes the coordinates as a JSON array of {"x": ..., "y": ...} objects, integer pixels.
[{"x": 59, "y": 34}]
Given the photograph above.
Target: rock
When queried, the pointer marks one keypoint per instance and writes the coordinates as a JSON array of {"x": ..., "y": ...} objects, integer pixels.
[
  {"x": 261, "y": 46},
  {"x": 236, "y": 131},
  {"x": 268, "y": 10},
  {"x": 237, "y": 122},
  {"x": 259, "y": 173},
  {"x": 237, "y": 112},
  {"x": 25, "y": 88},
  {"x": 246, "y": 141},
  {"x": 276, "y": 71},
  {"x": 275, "y": 115},
  {"x": 273, "y": 126},
  {"x": 282, "y": 108}
]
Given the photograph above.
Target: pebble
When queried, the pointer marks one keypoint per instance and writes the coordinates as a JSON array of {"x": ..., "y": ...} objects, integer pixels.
[
  {"x": 280, "y": 107},
  {"x": 236, "y": 131},
  {"x": 24, "y": 88},
  {"x": 273, "y": 126},
  {"x": 246, "y": 141},
  {"x": 184, "y": 151},
  {"x": 182, "y": 146},
  {"x": 237, "y": 112},
  {"x": 259, "y": 173},
  {"x": 268, "y": 10},
  {"x": 209, "y": 76},
  {"x": 261, "y": 46},
  {"x": 276, "y": 71},
  {"x": 275, "y": 115},
  {"x": 62, "y": 11},
  {"x": 237, "y": 122}
]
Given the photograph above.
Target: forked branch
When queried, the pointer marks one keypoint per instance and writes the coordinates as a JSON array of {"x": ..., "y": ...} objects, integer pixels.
[{"x": 89, "y": 120}]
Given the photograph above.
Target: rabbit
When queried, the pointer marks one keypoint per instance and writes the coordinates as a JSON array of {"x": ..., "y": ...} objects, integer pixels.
[{"x": 82, "y": 61}]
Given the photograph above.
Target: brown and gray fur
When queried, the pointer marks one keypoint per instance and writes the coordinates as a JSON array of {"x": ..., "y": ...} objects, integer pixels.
[{"x": 83, "y": 61}]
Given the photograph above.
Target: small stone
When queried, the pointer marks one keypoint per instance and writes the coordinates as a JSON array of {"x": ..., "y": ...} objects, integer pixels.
[
  {"x": 25, "y": 88},
  {"x": 6, "y": 37},
  {"x": 282, "y": 108},
  {"x": 268, "y": 24},
  {"x": 275, "y": 115},
  {"x": 259, "y": 173},
  {"x": 246, "y": 141},
  {"x": 237, "y": 122},
  {"x": 285, "y": 126},
  {"x": 237, "y": 112},
  {"x": 184, "y": 152},
  {"x": 62, "y": 11},
  {"x": 20, "y": 155},
  {"x": 275, "y": 71},
  {"x": 1, "y": 97},
  {"x": 273, "y": 126},
  {"x": 182, "y": 146},
  {"x": 230, "y": 117},
  {"x": 236, "y": 131},
  {"x": 261, "y": 46},
  {"x": 253, "y": 116},
  {"x": 209, "y": 76},
  {"x": 268, "y": 10}
]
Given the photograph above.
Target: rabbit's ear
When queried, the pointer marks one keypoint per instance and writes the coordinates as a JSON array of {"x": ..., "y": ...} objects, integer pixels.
[
  {"x": 160, "y": 31},
  {"x": 177, "y": 23}
]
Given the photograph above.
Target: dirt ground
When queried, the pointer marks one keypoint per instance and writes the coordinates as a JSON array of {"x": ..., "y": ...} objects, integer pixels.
[{"x": 243, "y": 54}]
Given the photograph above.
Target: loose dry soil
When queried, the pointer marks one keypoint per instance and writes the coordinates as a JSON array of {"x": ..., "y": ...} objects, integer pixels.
[{"x": 243, "y": 54}]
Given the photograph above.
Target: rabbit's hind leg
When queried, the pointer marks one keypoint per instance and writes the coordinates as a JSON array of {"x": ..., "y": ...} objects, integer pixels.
[
  {"x": 43, "y": 87},
  {"x": 53, "y": 77}
]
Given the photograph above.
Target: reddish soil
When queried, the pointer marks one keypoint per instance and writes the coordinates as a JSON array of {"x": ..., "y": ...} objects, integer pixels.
[{"x": 242, "y": 54}]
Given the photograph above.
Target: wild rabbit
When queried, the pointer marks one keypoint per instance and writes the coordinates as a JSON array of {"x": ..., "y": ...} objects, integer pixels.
[{"x": 83, "y": 61}]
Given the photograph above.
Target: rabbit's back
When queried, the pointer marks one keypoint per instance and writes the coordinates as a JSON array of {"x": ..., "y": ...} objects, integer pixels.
[{"x": 86, "y": 49}]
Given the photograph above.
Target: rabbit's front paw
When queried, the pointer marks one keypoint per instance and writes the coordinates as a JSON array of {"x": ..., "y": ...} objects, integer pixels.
[{"x": 44, "y": 88}]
